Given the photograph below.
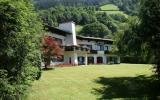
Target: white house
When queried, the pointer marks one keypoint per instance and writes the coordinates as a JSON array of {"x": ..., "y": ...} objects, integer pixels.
[{"x": 80, "y": 49}]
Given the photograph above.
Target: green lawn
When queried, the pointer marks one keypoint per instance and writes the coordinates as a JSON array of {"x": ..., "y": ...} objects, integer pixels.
[
  {"x": 78, "y": 28},
  {"x": 93, "y": 82},
  {"x": 109, "y": 7}
]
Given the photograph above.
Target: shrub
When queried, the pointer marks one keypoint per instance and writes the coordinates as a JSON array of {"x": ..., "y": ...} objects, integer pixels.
[{"x": 19, "y": 48}]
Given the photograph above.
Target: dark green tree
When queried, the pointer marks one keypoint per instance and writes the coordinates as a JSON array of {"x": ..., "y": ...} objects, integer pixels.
[
  {"x": 128, "y": 43},
  {"x": 119, "y": 17},
  {"x": 106, "y": 20},
  {"x": 20, "y": 59},
  {"x": 150, "y": 29},
  {"x": 95, "y": 30}
]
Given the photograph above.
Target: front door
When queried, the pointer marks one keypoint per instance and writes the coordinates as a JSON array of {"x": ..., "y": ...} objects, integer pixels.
[{"x": 99, "y": 60}]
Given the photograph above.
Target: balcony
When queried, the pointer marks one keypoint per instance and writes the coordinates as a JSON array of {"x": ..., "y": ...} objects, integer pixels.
[
  {"x": 101, "y": 52},
  {"x": 93, "y": 52},
  {"x": 107, "y": 52},
  {"x": 69, "y": 48},
  {"x": 75, "y": 48}
]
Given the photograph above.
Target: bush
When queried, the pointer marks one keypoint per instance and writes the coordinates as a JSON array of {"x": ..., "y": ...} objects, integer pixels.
[
  {"x": 134, "y": 60},
  {"x": 19, "y": 48}
]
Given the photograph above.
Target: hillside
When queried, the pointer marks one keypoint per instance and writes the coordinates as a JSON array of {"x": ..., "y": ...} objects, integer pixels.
[
  {"x": 43, "y": 4},
  {"x": 128, "y": 6},
  {"x": 111, "y": 9},
  {"x": 107, "y": 13}
]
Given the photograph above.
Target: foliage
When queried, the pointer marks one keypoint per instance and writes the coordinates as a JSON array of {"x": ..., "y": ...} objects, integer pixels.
[
  {"x": 80, "y": 15},
  {"x": 128, "y": 6},
  {"x": 50, "y": 48},
  {"x": 107, "y": 20},
  {"x": 59, "y": 14},
  {"x": 19, "y": 43},
  {"x": 44, "y": 4},
  {"x": 150, "y": 29},
  {"x": 142, "y": 38},
  {"x": 119, "y": 17},
  {"x": 95, "y": 30},
  {"x": 129, "y": 43}
]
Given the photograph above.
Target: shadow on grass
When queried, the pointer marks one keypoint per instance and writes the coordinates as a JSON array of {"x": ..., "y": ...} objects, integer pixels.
[
  {"x": 128, "y": 88},
  {"x": 48, "y": 69}
]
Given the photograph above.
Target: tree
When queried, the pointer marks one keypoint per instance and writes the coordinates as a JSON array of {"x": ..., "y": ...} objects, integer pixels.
[
  {"x": 119, "y": 17},
  {"x": 50, "y": 48},
  {"x": 128, "y": 43},
  {"x": 20, "y": 60},
  {"x": 106, "y": 20},
  {"x": 150, "y": 29},
  {"x": 95, "y": 30}
]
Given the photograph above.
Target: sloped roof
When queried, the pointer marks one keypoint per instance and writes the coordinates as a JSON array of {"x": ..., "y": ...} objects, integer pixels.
[
  {"x": 64, "y": 33},
  {"x": 94, "y": 39},
  {"x": 56, "y": 30}
]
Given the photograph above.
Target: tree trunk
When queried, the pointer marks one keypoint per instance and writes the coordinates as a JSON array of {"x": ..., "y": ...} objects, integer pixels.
[
  {"x": 158, "y": 69},
  {"x": 47, "y": 61}
]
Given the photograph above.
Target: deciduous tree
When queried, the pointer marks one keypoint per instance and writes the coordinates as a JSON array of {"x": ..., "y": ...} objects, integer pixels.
[
  {"x": 50, "y": 48},
  {"x": 95, "y": 30},
  {"x": 150, "y": 29},
  {"x": 19, "y": 47}
]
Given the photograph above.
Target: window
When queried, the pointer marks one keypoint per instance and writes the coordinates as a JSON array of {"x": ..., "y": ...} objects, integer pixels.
[
  {"x": 106, "y": 48},
  {"x": 100, "y": 47},
  {"x": 89, "y": 46}
]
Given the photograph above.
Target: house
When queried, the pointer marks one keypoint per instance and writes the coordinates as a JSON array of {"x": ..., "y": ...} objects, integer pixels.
[{"x": 80, "y": 49}]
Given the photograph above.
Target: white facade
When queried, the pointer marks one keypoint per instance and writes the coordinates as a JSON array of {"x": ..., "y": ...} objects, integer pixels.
[
  {"x": 69, "y": 27},
  {"x": 84, "y": 50}
]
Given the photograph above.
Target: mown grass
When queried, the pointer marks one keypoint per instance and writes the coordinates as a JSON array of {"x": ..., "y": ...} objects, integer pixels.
[
  {"x": 109, "y": 7},
  {"x": 91, "y": 83}
]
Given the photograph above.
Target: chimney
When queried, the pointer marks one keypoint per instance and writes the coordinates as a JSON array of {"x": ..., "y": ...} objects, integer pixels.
[{"x": 69, "y": 27}]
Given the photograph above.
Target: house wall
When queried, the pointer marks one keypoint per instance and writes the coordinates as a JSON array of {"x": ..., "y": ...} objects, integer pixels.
[
  {"x": 58, "y": 36},
  {"x": 71, "y": 57}
]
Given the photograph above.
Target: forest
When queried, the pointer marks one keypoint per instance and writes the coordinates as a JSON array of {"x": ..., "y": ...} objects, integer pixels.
[{"x": 129, "y": 6}]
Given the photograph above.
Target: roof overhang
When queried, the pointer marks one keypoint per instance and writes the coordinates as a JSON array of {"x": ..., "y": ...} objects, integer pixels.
[
  {"x": 56, "y": 30},
  {"x": 95, "y": 39}
]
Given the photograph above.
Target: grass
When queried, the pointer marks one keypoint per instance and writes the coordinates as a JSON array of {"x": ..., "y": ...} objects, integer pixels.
[
  {"x": 93, "y": 82},
  {"x": 78, "y": 28},
  {"x": 109, "y": 7}
]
